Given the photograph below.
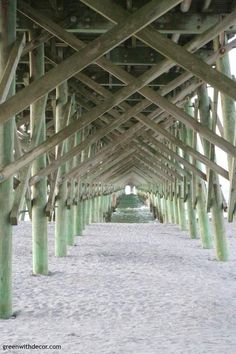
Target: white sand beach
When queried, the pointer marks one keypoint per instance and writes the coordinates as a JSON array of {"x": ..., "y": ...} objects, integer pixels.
[{"x": 125, "y": 289}]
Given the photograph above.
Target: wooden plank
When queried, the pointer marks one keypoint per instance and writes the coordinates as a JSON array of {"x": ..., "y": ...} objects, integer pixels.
[{"x": 10, "y": 69}]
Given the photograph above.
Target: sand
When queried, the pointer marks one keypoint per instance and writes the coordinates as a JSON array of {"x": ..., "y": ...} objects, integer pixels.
[{"x": 127, "y": 289}]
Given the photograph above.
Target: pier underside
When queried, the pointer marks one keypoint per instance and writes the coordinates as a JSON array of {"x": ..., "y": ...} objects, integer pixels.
[{"x": 96, "y": 95}]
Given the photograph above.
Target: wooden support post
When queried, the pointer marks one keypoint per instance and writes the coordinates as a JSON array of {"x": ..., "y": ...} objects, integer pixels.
[
  {"x": 99, "y": 207},
  {"x": 86, "y": 212},
  {"x": 83, "y": 214},
  {"x": 227, "y": 103},
  {"x": 229, "y": 119},
  {"x": 70, "y": 219},
  {"x": 192, "y": 217},
  {"x": 61, "y": 213},
  {"x": 175, "y": 200},
  {"x": 39, "y": 190},
  {"x": 204, "y": 227},
  {"x": 103, "y": 206},
  {"x": 81, "y": 210},
  {"x": 71, "y": 142},
  {"x": 78, "y": 211},
  {"x": 200, "y": 189},
  {"x": 78, "y": 219},
  {"x": 93, "y": 208},
  {"x": 165, "y": 203},
  {"x": 171, "y": 201},
  {"x": 89, "y": 206},
  {"x": 95, "y": 217},
  {"x": 168, "y": 209},
  {"x": 77, "y": 202},
  {"x": 8, "y": 35},
  {"x": 188, "y": 139},
  {"x": 181, "y": 203},
  {"x": 78, "y": 223},
  {"x": 181, "y": 208},
  {"x": 163, "y": 210},
  {"x": 158, "y": 209},
  {"x": 90, "y": 210},
  {"x": 217, "y": 203}
]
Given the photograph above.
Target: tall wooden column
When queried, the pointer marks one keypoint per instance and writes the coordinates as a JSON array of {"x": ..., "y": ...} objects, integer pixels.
[
  {"x": 181, "y": 204},
  {"x": 78, "y": 217},
  {"x": 229, "y": 123},
  {"x": 175, "y": 200},
  {"x": 71, "y": 142},
  {"x": 227, "y": 103},
  {"x": 61, "y": 212},
  {"x": 7, "y": 38},
  {"x": 181, "y": 208},
  {"x": 39, "y": 190},
  {"x": 200, "y": 186},
  {"x": 77, "y": 207},
  {"x": 216, "y": 200},
  {"x": 187, "y": 138}
]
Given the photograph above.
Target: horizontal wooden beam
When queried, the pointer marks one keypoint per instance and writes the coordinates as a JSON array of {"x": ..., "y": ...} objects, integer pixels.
[
  {"x": 186, "y": 148},
  {"x": 99, "y": 170},
  {"x": 115, "y": 13},
  {"x": 153, "y": 160},
  {"x": 100, "y": 133},
  {"x": 155, "y": 169},
  {"x": 86, "y": 55},
  {"x": 177, "y": 157},
  {"x": 163, "y": 157},
  {"x": 57, "y": 138}
]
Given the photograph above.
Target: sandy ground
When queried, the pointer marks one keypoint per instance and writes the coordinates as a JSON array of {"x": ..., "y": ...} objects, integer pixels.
[{"x": 127, "y": 289}]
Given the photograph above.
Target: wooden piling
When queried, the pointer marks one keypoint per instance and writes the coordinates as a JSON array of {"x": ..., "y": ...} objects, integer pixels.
[
  {"x": 8, "y": 35},
  {"x": 61, "y": 211},
  {"x": 39, "y": 190},
  {"x": 216, "y": 201},
  {"x": 187, "y": 138},
  {"x": 200, "y": 189}
]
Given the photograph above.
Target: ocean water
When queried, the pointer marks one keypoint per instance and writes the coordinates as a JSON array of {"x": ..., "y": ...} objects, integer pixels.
[{"x": 131, "y": 209}]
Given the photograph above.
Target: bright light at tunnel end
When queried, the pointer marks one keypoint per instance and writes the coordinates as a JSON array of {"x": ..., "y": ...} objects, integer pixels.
[{"x": 130, "y": 189}]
